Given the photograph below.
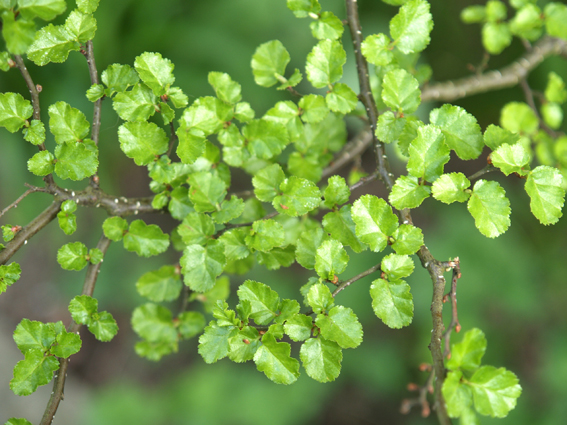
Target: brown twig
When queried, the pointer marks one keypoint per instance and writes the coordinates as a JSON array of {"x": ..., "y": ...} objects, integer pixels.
[
  {"x": 508, "y": 76},
  {"x": 342, "y": 285},
  {"x": 17, "y": 201},
  {"x": 456, "y": 266},
  {"x": 93, "y": 73},
  {"x": 61, "y": 374},
  {"x": 488, "y": 169},
  {"x": 352, "y": 150},
  {"x": 421, "y": 399}
]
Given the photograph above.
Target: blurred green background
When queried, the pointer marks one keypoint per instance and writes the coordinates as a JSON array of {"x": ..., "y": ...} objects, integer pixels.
[{"x": 513, "y": 288}]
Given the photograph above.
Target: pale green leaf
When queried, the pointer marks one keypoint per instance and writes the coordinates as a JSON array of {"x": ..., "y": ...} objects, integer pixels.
[
  {"x": 33, "y": 335},
  {"x": 277, "y": 257},
  {"x": 408, "y": 193},
  {"x": 267, "y": 182},
  {"x": 42, "y": 163},
  {"x": 103, "y": 326},
  {"x": 325, "y": 63},
  {"x": 80, "y": 26},
  {"x": 342, "y": 326},
  {"x": 511, "y": 159},
  {"x": 457, "y": 394},
  {"x": 269, "y": 63},
  {"x": 320, "y": 298},
  {"x": 495, "y": 391},
  {"x": 35, "y": 370},
  {"x": 341, "y": 99},
  {"x": 461, "y": 130},
  {"x": 87, "y": 6},
  {"x": 118, "y": 78},
  {"x": 265, "y": 235},
  {"x": 142, "y": 141},
  {"x": 201, "y": 265},
  {"x": 273, "y": 358},
  {"x": 52, "y": 44},
  {"x": 159, "y": 285},
  {"x": 468, "y": 353},
  {"x": 145, "y": 240},
  {"x": 8, "y": 275},
  {"x": 336, "y": 192},
  {"x": 307, "y": 245},
  {"x": 115, "y": 228},
  {"x": 490, "y": 208},
  {"x": 44, "y": 9},
  {"x": 377, "y": 50},
  {"x": 230, "y": 210},
  {"x": 66, "y": 344},
  {"x": 390, "y": 127},
  {"x": 234, "y": 242},
  {"x": 266, "y": 138},
  {"x": 304, "y": 8},
  {"x": 18, "y": 34},
  {"x": 213, "y": 344},
  {"x": 496, "y": 36},
  {"x": 428, "y": 154},
  {"x": 321, "y": 359},
  {"x": 331, "y": 259},
  {"x": 72, "y": 256},
  {"x": 400, "y": 91},
  {"x": 137, "y": 104},
  {"x": 190, "y": 324},
  {"x": 225, "y": 87},
  {"x": 313, "y": 108},
  {"x": 396, "y": 266},
  {"x": 244, "y": 345},
  {"x": 392, "y": 302},
  {"x": 14, "y": 111},
  {"x": 67, "y": 123},
  {"x": 155, "y": 71},
  {"x": 327, "y": 26},
  {"x": 82, "y": 309},
  {"x": 207, "y": 114},
  {"x": 407, "y": 239},
  {"x": 264, "y": 302},
  {"x": 298, "y": 197},
  {"x": 451, "y": 188},
  {"x": 374, "y": 221},
  {"x": 154, "y": 323},
  {"x": 495, "y": 136},
  {"x": 545, "y": 188},
  {"x": 206, "y": 191},
  {"x": 298, "y": 327},
  {"x": 35, "y": 133},
  {"x": 518, "y": 117},
  {"x": 555, "y": 18},
  {"x": 410, "y": 28},
  {"x": 196, "y": 228}
]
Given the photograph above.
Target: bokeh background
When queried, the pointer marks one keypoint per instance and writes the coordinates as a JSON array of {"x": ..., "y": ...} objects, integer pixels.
[{"x": 513, "y": 287}]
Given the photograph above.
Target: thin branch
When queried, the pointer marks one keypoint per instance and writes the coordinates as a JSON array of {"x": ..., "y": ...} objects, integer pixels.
[
  {"x": 32, "y": 88},
  {"x": 21, "y": 238},
  {"x": 351, "y": 150},
  {"x": 17, "y": 201},
  {"x": 365, "y": 91},
  {"x": 60, "y": 376},
  {"x": 349, "y": 282},
  {"x": 250, "y": 223},
  {"x": 488, "y": 169},
  {"x": 364, "y": 180},
  {"x": 508, "y": 76},
  {"x": 89, "y": 54},
  {"x": 529, "y": 95},
  {"x": 456, "y": 266}
]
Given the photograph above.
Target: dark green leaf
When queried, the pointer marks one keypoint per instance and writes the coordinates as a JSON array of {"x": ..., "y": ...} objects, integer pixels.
[
  {"x": 76, "y": 160},
  {"x": 160, "y": 285},
  {"x": 33, "y": 371},
  {"x": 8, "y": 275}
]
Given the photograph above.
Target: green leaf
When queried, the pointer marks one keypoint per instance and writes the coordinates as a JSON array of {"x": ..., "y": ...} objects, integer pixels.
[
  {"x": 87, "y": 6},
  {"x": 313, "y": 108},
  {"x": 118, "y": 78},
  {"x": 33, "y": 371},
  {"x": 154, "y": 323},
  {"x": 154, "y": 351},
  {"x": 207, "y": 114},
  {"x": 41, "y": 164},
  {"x": 410, "y": 28},
  {"x": 392, "y": 302},
  {"x": 327, "y": 26},
  {"x": 145, "y": 240},
  {"x": 396, "y": 266},
  {"x": 390, "y": 127},
  {"x": 336, "y": 192},
  {"x": 408, "y": 193},
  {"x": 244, "y": 345},
  {"x": 266, "y": 138},
  {"x": 298, "y": 197},
  {"x": 196, "y": 228},
  {"x": 201, "y": 265},
  {"x": 341, "y": 99},
  {"x": 428, "y": 154},
  {"x": 52, "y": 44},
  {"x": 468, "y": 353},
  {"x": 555, "y": 89},
  {"x": 555, "y": 18},
  {"x": 496, "y": 36},
  {"x": 35, "y": 133},
  {"x": 33, "y": 335},
  {"x": 321, "y": 359},
  {"x": 342, "y": 326},
  {"x": 331, "y": 259},
  {"x": 457, "y": 394},
  {"x": 225, "y": 88},
  {"x": 400, "y": 91},
  {"x": 462, "y": 132},
  {"x": 206, "y": 191},
  {"x": 213, "y": 344},
  {"x": 340, "y": 226},
  {"x": 8, "y": 275},
  {"x": 376, "y": 49},
  {"x": 451, "y": 188},
  {"x": 267, "y": 182},
  {"x": 264, "y": 302},
  {"x": 76, "y": 160},
  {"x": 277, "y": 257},
  {"x": 19, "y": 35},
  {"x": 552, "y": 114},
  {"x": 490, "y": 208},
  {"x": 495, "y": 391},
  {"x": 14, "y": 111},
  {"x": 273, "y": 358},
  {"x": 495, "y": 136},
  {"x": 190, "y": 324},
  {"x": 44, "y": 9},
  {"x": 18, "y": 421},
  {"x": 191, "y": 144},
  {"x": 72, "y": 256},
  {"x": 230, "y": 209},
  {"x": 160, "y": 285},
  {"x": 511, "y": 158},
  {"x": 527, "y": 23},
  {"x": 95, "y": 256},
  {"x": 234, "y": 244},
  {"x": 81, "y": 27},
  {"x": 243, "y": 112},
  {"x": 325, "y": 63},
  {"x": 82, "y": 309},
  {"x": 298, "y": 327},
  {"x": 518, "y": 117},
  {"x": 155, "y": 71},
  {"x": 115, "y": 228},
  {"x": 67, "y": 220},
  {"x": 407, "y": 239},
  {"x": 95, "y": 92},
  {"x": 66, "y": 344},
  {"x": 545, "y": 188},
  {"x": 265, "y": 235},
  {"x": 304, "y": 8},
  {"x": 307, "y": 245},
  {"x": 137, "y": 104},
  {"x": 269, "y": 63},
  {"x": 374, "y": 221},
  {"x": 103, "y": 326},
  {"x": 142, "y": 141},
  {"x": 320, "y": 298}
]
